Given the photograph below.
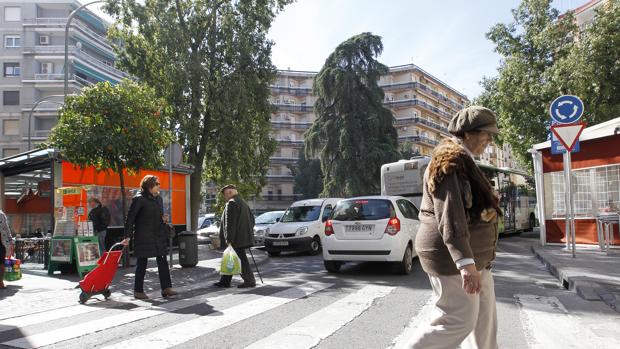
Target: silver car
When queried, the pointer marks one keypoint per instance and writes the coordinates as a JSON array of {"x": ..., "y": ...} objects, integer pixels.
[{"x": 262, "y": 224}]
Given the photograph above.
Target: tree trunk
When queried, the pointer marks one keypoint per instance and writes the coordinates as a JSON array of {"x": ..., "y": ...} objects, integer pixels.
[{"x": 195, "y": 188}]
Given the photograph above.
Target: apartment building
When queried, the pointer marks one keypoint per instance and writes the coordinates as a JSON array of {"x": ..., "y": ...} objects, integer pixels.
[
  {"x": 32, "y": 59},
  {"x": 422, "y": 106}
]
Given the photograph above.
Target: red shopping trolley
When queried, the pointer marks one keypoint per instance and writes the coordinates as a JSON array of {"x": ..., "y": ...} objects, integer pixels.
[{"x": 99, "y": 279}]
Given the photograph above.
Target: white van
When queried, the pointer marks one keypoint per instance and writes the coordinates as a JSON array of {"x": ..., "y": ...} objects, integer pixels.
[{"x": 300, "y": 228}]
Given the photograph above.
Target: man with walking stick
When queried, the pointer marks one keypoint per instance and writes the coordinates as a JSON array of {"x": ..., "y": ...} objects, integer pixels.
[{"x": 237, "y": 230}]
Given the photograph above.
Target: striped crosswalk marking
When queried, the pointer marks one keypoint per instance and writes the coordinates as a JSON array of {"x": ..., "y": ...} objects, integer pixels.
[
  {"x": 420, "y": 319},
  {"x": 188, "y": 330},
  {"x": 124, "y": 317},
  {"x": 309, "y": 331},
  {"x": 549, "y": 325},
  {"x": 213, "y": 263}
]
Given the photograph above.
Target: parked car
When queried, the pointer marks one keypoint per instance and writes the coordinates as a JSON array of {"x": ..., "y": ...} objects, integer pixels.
[
  {"x": 208, "y": 225},
  {"x": 373, "y": 228},
  {"x": 262, "y": 223},
  {"x": 300, "y": 228}
]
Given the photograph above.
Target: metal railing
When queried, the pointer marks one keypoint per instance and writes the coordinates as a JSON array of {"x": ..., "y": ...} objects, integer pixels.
[
  {"x": 40, "y": 77},
  {"x": 295, "y": 91},
  {"x": 419, "y": 139},
  {"x": 291, "y": 141},
  {"x": 291, "y": 125},
  {"x": 414, "y": 102},
  {"x": 59, "y": 49},
  {"x": 277, "y": 197},
  {"x": 418, "y": 120},
  {"x": 300, "y": 108},
  {"x": 422, "y": 87},
  {"x": 283, "y": 160}
]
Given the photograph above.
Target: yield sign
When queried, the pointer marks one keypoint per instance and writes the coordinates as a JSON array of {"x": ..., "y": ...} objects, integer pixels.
[{"x": 568, "y": 134}]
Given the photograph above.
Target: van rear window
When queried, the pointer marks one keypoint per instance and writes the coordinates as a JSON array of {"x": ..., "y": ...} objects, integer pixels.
[{"x": 363, "y": 210}]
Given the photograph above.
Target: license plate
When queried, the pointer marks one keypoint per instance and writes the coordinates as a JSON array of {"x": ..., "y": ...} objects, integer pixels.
[
  {"x": 280, "y": 243},
  {"x": 358, "y": 228}
]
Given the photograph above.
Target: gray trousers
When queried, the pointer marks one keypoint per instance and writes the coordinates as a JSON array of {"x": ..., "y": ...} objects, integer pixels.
[
  {"x": 101, "y": 237},
  {"x": 246, "y": 269}
]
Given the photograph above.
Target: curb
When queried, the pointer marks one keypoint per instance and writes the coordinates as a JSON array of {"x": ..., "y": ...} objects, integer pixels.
[{"x": 585, "y": 287}]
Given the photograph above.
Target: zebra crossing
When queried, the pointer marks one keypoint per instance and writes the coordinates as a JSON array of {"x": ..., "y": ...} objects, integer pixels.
[{"x": 547, "y": 321}]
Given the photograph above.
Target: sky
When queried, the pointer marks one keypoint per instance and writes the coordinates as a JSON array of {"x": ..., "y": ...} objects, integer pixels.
[{"x": 444, "y": 37}]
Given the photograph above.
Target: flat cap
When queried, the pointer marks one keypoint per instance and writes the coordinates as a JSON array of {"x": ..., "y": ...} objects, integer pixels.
[
  {"x": 473, "y": 118},
  {"x": 227, "y": 186}
]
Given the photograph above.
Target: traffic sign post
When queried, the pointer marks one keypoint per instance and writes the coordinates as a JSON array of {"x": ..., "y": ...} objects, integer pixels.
[{"x": 565, "y": 113}]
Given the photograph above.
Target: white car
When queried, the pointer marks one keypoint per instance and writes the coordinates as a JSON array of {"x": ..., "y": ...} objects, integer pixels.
[
  {"x": 300, "y": 228},
  {"x": 208, "y": 225},
  {"x": 371, "y": 229},
  {"x": 262, "y": 225}
]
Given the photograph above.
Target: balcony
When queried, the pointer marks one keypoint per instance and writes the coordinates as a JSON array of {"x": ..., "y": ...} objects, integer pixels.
[
  {"x": 281, "y": 178},
  {"x": 75, "y": 23},
  {"x": 283, "y": 160},
  {"x": 291, "y": 125},
  {"x": 421, "y": 87},
  {"x": 294, "y": 108},
  {"x": 294, "y": 142},
  {"x": 415, "y": 102},
  {"x": 419, "y": 139},
  {"x": 57, "y": 78},
  {"x": 280, "y": 197},
  {"x": 420, "y": 121},
  {"x": 79, "y": 54},
  {"x": 294, "y": 91}
]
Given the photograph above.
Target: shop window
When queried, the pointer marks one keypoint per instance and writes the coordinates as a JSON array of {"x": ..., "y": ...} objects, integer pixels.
[
  {"x": 12, "y": 14},
  {"x": 10, "y": 98},
  {"x": 11, "y": 69},
  {"x": 10, "y": 127},
  {"x": 12, "y": 41},
  {"x": 595, "y": 190}
]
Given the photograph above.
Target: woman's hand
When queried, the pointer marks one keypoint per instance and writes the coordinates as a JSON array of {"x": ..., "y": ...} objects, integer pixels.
[
  {"x": 125, "y": 242},
  {"x": 471, "y": 279}
]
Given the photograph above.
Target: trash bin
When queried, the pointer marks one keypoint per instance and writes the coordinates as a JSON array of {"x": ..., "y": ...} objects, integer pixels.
[{"x": 188, "y": 249}]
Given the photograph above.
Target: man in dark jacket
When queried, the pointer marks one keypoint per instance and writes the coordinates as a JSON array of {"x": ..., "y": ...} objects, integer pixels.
[
  {"x": 237, "y": 230},
  {"x": 100, "y": 216}
]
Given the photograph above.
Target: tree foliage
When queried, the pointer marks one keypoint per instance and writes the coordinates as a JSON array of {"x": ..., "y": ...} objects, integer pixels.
[
  {"x": 353, "y": 134},
  {"x": 210, "y": 59},
  {"x": 544, "y": 56},
  {"x": 113, "y": 127},
  {"x": 308, "y": 176}
]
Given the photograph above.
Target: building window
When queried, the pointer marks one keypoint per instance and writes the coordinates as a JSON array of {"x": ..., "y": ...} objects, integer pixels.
[
  {"x": 10, "y": 127},
  {"x": 9, "y": 152},
  {"x": 12, "y": 14},
  {"x": 11, "y": 69},
  {"x": 11, "y": 41},
  {"x": 10, "y": 98}
]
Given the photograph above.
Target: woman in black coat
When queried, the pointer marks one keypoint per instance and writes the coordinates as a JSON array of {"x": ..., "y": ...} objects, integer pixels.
[{"x": 147, "y": 226}]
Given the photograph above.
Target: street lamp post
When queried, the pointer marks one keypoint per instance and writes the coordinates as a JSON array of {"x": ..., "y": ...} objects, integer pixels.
[
  {"x": 69, "y": 19},
  {"x": 44, "y": 99}
]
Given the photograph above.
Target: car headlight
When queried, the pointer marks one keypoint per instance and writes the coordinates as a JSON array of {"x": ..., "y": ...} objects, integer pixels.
[
  {"x": 301, "y": 231},
  {"x": 260, "y": 232}
]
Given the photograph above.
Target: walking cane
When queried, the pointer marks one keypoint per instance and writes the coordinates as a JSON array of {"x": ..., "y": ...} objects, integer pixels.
[{"x": 256, "y": 266}]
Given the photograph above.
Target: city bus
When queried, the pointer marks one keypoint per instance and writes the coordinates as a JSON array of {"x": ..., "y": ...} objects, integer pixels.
[{"x": 514, "y": 188}]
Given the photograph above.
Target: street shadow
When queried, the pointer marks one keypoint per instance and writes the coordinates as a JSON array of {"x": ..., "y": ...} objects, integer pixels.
[{"x": 9, "y": 291}]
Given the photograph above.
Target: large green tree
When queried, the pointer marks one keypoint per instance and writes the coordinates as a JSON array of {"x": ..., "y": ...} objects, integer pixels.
[
  {"x": 210, "y": 59},
  {"x": 354, "y": 133},
  {"x": 530, "y": 48},
  {"x": 545, "y": 55},
  {"x": 113, "y": 128}
]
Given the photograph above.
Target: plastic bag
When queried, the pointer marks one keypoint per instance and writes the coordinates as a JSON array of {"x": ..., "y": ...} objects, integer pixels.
[
  {"x": 231, "y": 264},
  {"x": 12, "y": 269}
]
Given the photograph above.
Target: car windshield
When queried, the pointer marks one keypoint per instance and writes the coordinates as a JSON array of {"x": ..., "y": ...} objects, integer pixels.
[
  {"x": 268, "y": 218},
  {"x": 301, "y": 214},
  {"x": 363, "y": 210}
]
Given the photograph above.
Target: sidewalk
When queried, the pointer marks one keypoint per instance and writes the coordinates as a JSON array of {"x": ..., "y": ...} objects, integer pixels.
[{"x": 594, "y": 275}]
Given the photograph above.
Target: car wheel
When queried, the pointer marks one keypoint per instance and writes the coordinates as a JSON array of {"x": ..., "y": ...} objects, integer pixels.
[
  {"x": 406, "y": 264},
  {"x": 273, "y": 253},
  {"x": 315, "y": 246},
  {"x": 332, "y": 266}
]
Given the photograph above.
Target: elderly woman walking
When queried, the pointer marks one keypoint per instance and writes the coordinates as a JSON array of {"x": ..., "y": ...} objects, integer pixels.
[
  {"x": 146, "y": 224},
  {"x": 458, "y": 235}
]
